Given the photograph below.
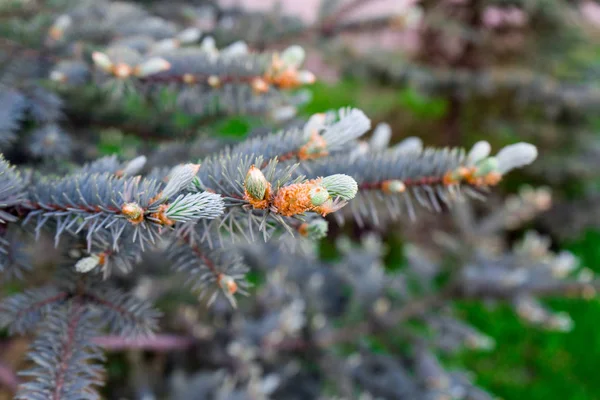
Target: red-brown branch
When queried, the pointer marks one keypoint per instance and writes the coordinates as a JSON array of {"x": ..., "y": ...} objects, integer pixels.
[
  {"x": 426, "y": 180},
  {"x": 39, "y": 304},
  {"x": 209, "y": 263},
  {"x": 67, "y": 351}
]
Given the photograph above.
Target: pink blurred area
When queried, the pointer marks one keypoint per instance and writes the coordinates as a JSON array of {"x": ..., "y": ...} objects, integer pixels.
[
  {"x": 406, "y": 39},
  {"x": 591, "y": 12},
  {"x": 308, "y": 9}
]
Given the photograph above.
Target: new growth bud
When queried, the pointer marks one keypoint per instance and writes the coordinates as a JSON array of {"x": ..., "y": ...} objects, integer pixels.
[
  {"x": 133, "y": 212},
  {"x": 259, "y": 86},
  {"x": 257, "y": 190},
  {"x": 486, "y": 166},
  {"x": 393, "y": 186},
  {"x": 284, "y": 69},
  {"x": 293, "y": 56},
  {"x": 316, "y": 147},
  {"x": 515, "y": 156},
  {"x": 134, "y": 166},
  {"x": 87, "y": 264},
  {"x": 151, "y": 67},
  {"x": 180, "y": 178},
  {"x": 214, "y": 81},
  {"x": 229, "y": 287},
  {"x": 102, "y": 61},
  {"x": 340, "y": 185},
  {"x": 478, "y": 152},
  {"x": 256, "y": 184},
  {"x": 315, "y": 229},
  {"x": 318, "y": 195}
]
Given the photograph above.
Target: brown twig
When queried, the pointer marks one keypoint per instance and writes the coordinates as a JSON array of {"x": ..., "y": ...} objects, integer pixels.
[{"x": 8, "y": 378}]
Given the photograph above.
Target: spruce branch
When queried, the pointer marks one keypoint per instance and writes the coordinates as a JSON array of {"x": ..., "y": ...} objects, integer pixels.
[
  {"x": 12, "y": 190},
  {"x": 104, "y": 202},
  {"x": 434, "y": 177},
  {"x": 211, "y": 272},
  {"x": 124, "y": 314},
  {"x": 67, "y": 363},
  {"x": 22, "y": 312}
]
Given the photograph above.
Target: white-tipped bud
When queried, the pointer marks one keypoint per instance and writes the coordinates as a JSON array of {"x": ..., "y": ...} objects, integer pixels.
[
  {"x": 87, "y": 264},
  {"x": 256, "y": 184},
  {"x": 179, "y": 178},
  {"x": 318, "y": 195},
  {"x": 189, "y": 35},
  {"x": 134, "y": 166},
  {"x": 152, "y": 66},
  {"x": 306, "y": 77},
  {"x": 293, "y": 56},
  {"x": 235, "y": 49},
  {"x": 340, "y": 185},
  {"x": 381, "y": 137},
  {"x": 315, "y": 123},
  {"x": 191, "y": 207},
  {"x": 478, "y": 152},
  {"x": 515, "y": 156},
  {"x": 102, "y": 61}
]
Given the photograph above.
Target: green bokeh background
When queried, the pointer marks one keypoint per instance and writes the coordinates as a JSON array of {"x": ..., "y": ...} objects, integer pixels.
[{"x": 527, "y": 363}]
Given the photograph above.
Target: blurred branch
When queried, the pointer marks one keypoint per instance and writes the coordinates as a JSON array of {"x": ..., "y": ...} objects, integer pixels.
[
  {"x": 152, "y": 343},
  {"x": 450, "y": 293}
]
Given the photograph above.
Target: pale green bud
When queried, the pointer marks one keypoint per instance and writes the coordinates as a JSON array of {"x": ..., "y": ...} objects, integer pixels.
[
  {"x": 315, "y": 229},
  {"x": 255, "y": 183},
  {"x": 339, "y": 185},
  {"x": 486, "y": 166},
  {"x": 318, "y": 195}
]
